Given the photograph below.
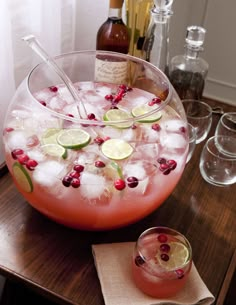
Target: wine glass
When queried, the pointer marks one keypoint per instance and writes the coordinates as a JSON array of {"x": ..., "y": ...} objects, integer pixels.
[
  {"x": 227, "y": 127},
  {"x": 199, "y": 114},
  {"x": 216, "y": 167}
]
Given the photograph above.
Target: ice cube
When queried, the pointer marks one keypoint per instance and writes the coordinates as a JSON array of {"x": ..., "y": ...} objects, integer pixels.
[
  {"x": 92, "y": 185},
  {"x": 113, "y": 133},
  {"x": 103, "y": 90},
  {"x": 147, "y": 151},
  {"x": 17, "y": 139},
  {"x": 56, "y": 103},
  {"x": 65, "y": 94},
  {"x": 86, "y": 85},
  {"x": 135, "y": 169},
  {"x": 172, "y": 140},
  {"x": 49, "y": 173},
  {"x": 150, "y": 135},
  {"x": 20, "y": 113},
  {"x": 36, "y": 155},
  {"x": 172, "y": 125}
]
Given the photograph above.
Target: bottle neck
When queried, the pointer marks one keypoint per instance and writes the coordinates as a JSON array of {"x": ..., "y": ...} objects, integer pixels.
[
  {"x": 115, "y": 13},
  {"x": 192, "y": 52}
]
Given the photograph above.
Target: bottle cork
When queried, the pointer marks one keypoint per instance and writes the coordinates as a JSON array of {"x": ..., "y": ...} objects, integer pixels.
[{"x": 116, "y": 3}]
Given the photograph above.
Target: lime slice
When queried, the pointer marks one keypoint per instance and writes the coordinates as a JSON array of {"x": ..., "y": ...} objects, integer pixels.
[
  {"x": 178, "y": 256},
  {"x": 144, "y": 109},
  {"x": 22, "y": 177},
  {"x": 50, "y": 136},
  {"x": 118, "y": 115},
  {"x": 54, "y": 150},
  {"x": 73, "y": 138},
  {"x": 116, "y": 149}
]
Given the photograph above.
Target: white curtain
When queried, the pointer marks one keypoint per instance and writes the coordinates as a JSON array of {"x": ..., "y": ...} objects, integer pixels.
[{"x": 51, "y": 21}]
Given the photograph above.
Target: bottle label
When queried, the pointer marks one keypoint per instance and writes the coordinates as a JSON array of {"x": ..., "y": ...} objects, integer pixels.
[{"x": 110, "y": 71}]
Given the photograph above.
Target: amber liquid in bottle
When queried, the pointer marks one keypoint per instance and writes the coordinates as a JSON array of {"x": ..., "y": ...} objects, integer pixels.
[{"x": 113, "y": 35}]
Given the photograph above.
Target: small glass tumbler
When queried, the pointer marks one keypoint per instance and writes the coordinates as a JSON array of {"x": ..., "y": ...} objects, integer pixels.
[
  {"x": 192, "y": 141},
  {"x": 216, "y": 167},
  {"x": 162, "y": 260},
  {"x": 227, "y": 127},
  {"x": 199, "y": 114}
]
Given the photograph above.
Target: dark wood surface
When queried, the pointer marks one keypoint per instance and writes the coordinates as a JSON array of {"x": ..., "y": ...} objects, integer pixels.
[{"x": 57, "y": 262}]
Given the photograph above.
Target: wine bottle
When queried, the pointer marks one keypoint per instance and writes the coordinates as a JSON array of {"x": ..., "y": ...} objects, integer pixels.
[{"x": 113, "y": 35}]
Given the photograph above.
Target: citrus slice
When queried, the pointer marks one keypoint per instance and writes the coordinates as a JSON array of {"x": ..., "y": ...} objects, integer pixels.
[
  {"x": 116, "y": 149},
  {"x": 73, "y": 138},
  {"x": 54, "y": 150},
  {"x": 118, "y": 115},
  {"x": 144, "y": 109},
  {"x": 178, "y": 256},
  {"x": 50, "y": 136},
  {"x": 22, "y": 177}
]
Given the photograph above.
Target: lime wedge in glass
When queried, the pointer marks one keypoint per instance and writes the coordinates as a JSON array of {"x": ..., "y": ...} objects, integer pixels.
[
  {"x": 73, "y": 138},
  {"x": 22, "y": 177},
  {"x": 116, "y": 149},
  {"x": 144, "y": 109},
  {"x": 118, "y": 115},
  {"x": 178, "y": 256},
  {"x": 54, "y": 150}
]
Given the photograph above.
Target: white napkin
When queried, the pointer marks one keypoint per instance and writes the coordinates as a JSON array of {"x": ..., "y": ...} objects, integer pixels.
[{"x": 113, "y": 263}]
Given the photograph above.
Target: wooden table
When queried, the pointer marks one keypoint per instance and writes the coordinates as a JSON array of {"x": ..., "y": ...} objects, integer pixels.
[{"x": 57, "y": 261}]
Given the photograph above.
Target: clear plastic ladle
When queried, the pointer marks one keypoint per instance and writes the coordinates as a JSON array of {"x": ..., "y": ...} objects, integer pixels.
[{"x": 36, "y": 46}]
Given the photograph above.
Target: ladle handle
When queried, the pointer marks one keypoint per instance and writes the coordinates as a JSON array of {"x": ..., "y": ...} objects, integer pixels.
[{"x": 36, "y": 46}]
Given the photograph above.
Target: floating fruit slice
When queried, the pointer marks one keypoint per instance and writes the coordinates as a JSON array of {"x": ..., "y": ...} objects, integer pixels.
[
  {"x": 50, "y": 136},
  {"x": 178, "y": 255},
  {"x": 22, "y": 177},
  {"x": 73, "y": 138},
  {"x": 54, "y": 150},
  {"x": 116, "y": 149},
  {"x": 144, "y": 109},
  {"x": 118, "y": 115}
]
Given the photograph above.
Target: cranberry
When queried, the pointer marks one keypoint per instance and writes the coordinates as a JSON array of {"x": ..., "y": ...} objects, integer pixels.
[
  {"x": 123, "y": 87},
  {"x": 180, "y": 273},
  {"x": 139, "y": 261},
  {"x": 31, "y": 164},
  {"x": 23, "y": 158},
  {"x": 132, "y": 182},
  {"x": 100, "y": 163},
  {"x": 161, "y": 160},
  {"x": 119, "y": 184},
  {"x": 75, "y": 182},
  {"x": 98, "y": 140},
  {"x": 155, "y": 100},
  {"x": 43, "y": 103},
  {"x": 114, "y": 107},
  {"x": 109, "y": 97},
  {"x": 91, "y": 116},
  {"x": 74, "y": 174},
  {"x": 53, "y": 88},
  {"x": 66, "y": 181},
  {"x": 162, "y": 238},
  {"x": 32, "y": 141},
  {"x": 172, "y": 164},
  {"x": 134, "y": 126},
  {"x": 165, "y": 248},
  {"x": 182, "y": 129},
  {"x": 8, "y": 129},
  {"x": 156, "y": 127},
  {"x": 166, "y": 171},
  {"x": 107, "y": 138},
  {"x": 70, "y": 115},
  {"x": 163, "y": 167},
  {"x": 117, "y": 99},
  {"x": 16, "y": 152},
  {"x": 165, "y": 257},
  {"x": 78, "y": 168}
]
